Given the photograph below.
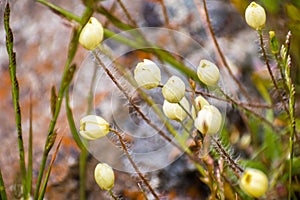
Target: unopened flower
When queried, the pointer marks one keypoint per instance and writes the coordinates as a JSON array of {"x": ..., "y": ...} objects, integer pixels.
[
  {"x": 200, "y": 102},
  {"x": 174, "y": 90},
  {"x": 104, "y": 176},
  {"x": 147, "y": 74},
  {"x": 255, "y": 16},
  {"x": 91, "y": 34},
  {"x": 208, "y": 73},
  {"x": 175, "y": 111},
  {"x": 209, "y": 120},
  {"x": 254, "y": 182},
  {"x": 93, "y": 127}
]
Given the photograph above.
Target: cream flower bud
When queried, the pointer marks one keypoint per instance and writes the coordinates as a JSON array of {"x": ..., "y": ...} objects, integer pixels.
[
  {"x": 174, "y": 90},
  {"x": 93, "y": 127},
  {"x": 208, "y": 73},
  {"x": 254, "y": 182},
  {"x": 92, "y": 34},
  {"x": 255, "y": 16},
  {"x": 104, "y": 176},
  {"x": 200, "y": 102},
  {"x": 175, "y": 111},
  {"x": 147, "y": 74},
  {"x": 209, "y": 120}
]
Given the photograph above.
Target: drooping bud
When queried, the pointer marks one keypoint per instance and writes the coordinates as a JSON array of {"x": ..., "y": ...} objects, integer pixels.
[
  {"x": 175, "y": 111},
  {"x": 208, "y": 73},
  {"x": 209, "y": 120},
  {"x": 255, "y": 16},
  {"x": 147, "y": 74},
  {"x": 254, "y": 182},
  {"x": 174, "y": 90},
  {"x": 93, "y": 127},
  {"x": 200, "y": 102},
  {"x": 91, "y": 34},
  {"x": 104, "y": 176}
]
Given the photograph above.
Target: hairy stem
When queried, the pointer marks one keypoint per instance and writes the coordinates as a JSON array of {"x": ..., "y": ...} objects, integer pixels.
[{"x": 134, "y": 165}]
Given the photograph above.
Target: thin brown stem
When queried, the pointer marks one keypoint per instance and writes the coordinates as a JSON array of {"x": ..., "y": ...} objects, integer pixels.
[
  {"x": 209, "y": 29},
  {"x": 271, "y": 73},
  {"x": 132, "y": 21},
  {"x": 146, "y": 182}
]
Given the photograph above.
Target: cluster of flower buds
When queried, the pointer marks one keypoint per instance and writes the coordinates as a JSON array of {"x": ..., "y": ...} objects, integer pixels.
[{"x": 208, "y": 118}]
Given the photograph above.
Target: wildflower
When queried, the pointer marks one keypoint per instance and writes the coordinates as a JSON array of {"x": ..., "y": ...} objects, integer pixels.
[
  {"x": 92, "y": 34},
  {"x": 93, "y": 127},
  {"x": 200, "y": 102},
  {"x": 254, "y": 182},
  {"x": 147, "y": 74},
  {"x": 255, "y": 16},
  {"x": 175, "y": 111},
  {"x": 104, "y": 176},
  {"x": 209, "y": 120},
  {"x": 174, "y": 90},
  {"x": 208, "y": 73}
]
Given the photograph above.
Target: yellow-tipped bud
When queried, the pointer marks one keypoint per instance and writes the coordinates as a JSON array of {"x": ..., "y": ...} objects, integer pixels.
[
  {"x": 254, "y": 182},
  {"x": 209, "y": 120},
  {"x": 175, "y": 111},
  {"x": 174, "y": 90},
  {"x": 92, "y": 34},
  {"x": 104, "y": 176},
  {"x": 93, "y": 127},
  {"x": 147, "y": 74},
  {"x": 208, "y": 73},
  {"x": 255, "y": 16}
]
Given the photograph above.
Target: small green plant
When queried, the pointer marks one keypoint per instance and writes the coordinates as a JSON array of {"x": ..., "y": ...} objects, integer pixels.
[{"x": 186, "y": 108}]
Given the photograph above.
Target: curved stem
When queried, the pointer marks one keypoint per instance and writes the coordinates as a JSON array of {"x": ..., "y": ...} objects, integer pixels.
[
  {"x": 219, "y": 51},
  {"x": 134, "y": 165}
]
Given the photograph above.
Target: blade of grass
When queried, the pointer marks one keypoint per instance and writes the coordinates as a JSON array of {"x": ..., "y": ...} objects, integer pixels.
[
  {"x": 2, "y": 188},
  {"x": 43, "y": 189},
  {"x": 29, "y": 165},
  {"x": 66, "y": 79},
  {"x": 83, "y": 153},
  {"x": 15, "y": 96},
  {"x": 60, "y": 11}
]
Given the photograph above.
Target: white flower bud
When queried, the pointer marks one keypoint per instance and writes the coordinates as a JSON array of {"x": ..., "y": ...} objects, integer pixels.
[
  {"x": 209, "y": 120},
  {"x": 208, "y": 73},
  {"x": 92, "y": 34},
  {"x": 174, "y": 111},
  {"x": 93, "y": 127},
  {"x": 255, "y": 16},
  {"x": 174, "y": 90},
  {"x": 200, "y": 102},
  {"x": 104, "y": 176},
  {"x": 254, "y": 182},
  {"x": 147, "y": 74}
]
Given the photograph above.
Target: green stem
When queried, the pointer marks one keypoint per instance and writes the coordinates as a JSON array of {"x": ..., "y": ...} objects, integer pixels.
[
  {"x": 2, "y": 188},
  {"x": 112, "y": 194},
  {"x": 68, "y": 15},
  {"x": 15, "y": 96},
  {"x": 29, "y": 167},
  {"x": 66, "y": 79}
]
